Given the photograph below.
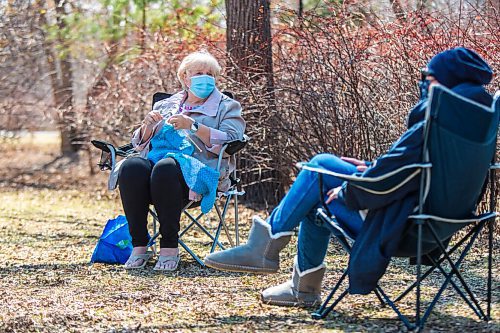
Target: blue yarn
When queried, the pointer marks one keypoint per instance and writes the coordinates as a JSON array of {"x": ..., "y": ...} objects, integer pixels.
[
  {"x": 199, "y": 177},
  {"x": 168, "y": 140}
]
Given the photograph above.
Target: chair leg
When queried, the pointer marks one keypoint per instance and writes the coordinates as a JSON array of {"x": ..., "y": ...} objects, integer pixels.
[
  {"x": 217, "y": 233},
  {"x": 491, "y": 225},
  {"x": 188, "y": 250},
  {"x": 194, "y": 221},
  {"x": 186, "y": 229},
  {"x": 457, "y": 289},
  {"x": 226, "y": 229},
  {"x": 454, "y": 272},
  {"x": 152, "y": 242},
  {"x": 222, "y": 222},
  {"x": 431, "y": 269},
  {"x": 381, "y": 300},
  {"x": 190, "y": 225},
  {"x": 419, "y": 267},
  {"x": 323, "y": 311},
  {"x": 393, "y": 306},
  {"x": 236, "y": 222},
  {"x": 490, "y": 265}
]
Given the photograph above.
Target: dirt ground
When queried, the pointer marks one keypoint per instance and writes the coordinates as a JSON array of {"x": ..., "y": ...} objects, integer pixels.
[{"x": 52, "y": 213}]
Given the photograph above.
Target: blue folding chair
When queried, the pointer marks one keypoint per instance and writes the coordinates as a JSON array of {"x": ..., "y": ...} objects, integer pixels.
[{"x": 458, "y": 153}]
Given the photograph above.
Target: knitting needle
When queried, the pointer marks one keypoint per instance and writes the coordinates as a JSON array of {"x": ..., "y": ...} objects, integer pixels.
[
  {"x": 192, "y": 141},
  {"x": 185, "y": 132}
]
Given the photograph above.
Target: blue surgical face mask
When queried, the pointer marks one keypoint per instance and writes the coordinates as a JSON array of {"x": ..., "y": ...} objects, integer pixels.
[{"x": 202, "y": 85}]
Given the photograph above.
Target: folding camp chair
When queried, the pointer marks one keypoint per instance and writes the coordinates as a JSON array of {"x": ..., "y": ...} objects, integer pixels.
[
  {"x": 108, "y": 161},
  {"x": 459, "y": 147}
]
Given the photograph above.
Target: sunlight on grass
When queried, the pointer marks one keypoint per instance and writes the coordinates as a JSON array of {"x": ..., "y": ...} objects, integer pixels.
[
  {"x": 46, "y": 240},
  {"x": 45, "y": 140}
]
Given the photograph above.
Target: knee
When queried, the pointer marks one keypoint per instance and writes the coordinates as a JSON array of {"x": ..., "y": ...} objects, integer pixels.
[
  {"x": 322, "y": 158},
  {"x": 325, "y": 160},
  {"x": 134, "y": 168},
  {"x": 165, "y": 171}
]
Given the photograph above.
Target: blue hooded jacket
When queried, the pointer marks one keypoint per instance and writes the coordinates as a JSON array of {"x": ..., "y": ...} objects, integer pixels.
[{"x": 464, "y": 72}]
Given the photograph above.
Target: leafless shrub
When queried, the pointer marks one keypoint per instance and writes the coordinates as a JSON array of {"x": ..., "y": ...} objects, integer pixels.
[
  {"x": 347, "y": 88},
  {"x": 340, "y": 86}
]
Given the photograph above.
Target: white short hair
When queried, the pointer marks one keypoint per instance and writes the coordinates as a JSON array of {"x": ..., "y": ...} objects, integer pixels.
[{"x": 202, "y": 58}]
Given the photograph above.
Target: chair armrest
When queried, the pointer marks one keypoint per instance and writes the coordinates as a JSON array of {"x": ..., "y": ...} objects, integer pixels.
[
  {"x": 107, "y": 147},
  {"x": 332, "y": 224},
  {"x": 232, "y": 147},
  {"x": 125, "y": 150},
  {"x": 109, "y": 153},
  {"x": 103, "y": 145},
  {"x": 383, "y": 184},
  {"x": 482, "y": 217}
]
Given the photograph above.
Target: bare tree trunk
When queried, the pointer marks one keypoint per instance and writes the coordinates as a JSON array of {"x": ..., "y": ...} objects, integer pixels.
[
  {"x": 62, "y": 82},
  {"x": 105, "y": 77},
  {"x": 64, "y": 90},
  {"x": 249, "y": 46},
  {"x": 143, "y": 32},
  {"x": 249, "y": 38}
]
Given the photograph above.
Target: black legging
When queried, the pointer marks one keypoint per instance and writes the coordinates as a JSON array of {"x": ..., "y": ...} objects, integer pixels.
[{"x": 142, "y": 183}]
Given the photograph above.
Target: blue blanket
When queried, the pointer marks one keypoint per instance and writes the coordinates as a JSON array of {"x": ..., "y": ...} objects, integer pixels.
[{"x": 199, "y": 177}]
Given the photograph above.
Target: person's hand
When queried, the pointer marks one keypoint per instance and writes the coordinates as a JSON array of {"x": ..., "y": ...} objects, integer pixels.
[
  {"x": 152, "y": 118},
  {"x": 181, "y": 121},
  {"x": 333, "y": 194},
  {"x": 360, "y": 165}
]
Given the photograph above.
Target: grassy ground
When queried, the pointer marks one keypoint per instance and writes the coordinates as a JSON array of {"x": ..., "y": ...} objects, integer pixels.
[{"x": 51, "y": 215}]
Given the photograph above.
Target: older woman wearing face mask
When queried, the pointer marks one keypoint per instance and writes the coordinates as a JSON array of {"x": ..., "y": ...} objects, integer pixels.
[{"x": 198, "y": 119}]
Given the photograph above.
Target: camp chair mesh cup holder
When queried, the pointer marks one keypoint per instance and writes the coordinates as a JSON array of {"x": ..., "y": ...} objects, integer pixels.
[
  {"x": 424, "y": 220},
  {"x": 108, "y": 159}
]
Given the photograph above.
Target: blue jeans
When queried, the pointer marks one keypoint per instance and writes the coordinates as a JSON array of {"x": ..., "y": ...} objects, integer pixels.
[{"x": 299, "y": 206}]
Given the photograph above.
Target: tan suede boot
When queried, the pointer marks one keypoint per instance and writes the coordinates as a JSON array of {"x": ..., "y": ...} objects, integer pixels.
[
  {"x": 304, "y": 289},
  {"x": 259, "y": 255}
]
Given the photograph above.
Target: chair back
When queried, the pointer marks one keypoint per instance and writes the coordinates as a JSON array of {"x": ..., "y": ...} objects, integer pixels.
[
  {"x": 460, "y": 143},
  {"x": 158, "y": 96}
]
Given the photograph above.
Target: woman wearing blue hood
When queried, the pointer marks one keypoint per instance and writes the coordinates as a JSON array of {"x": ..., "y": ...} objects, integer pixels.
[{"x": 460, "y": 69}]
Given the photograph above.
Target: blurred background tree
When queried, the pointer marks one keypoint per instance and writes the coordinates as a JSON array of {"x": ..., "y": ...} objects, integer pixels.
[{"x": 67, "y": 48}]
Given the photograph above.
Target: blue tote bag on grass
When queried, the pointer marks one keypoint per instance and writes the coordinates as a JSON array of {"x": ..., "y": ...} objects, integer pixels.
[{"x": 115, "y": 244}]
